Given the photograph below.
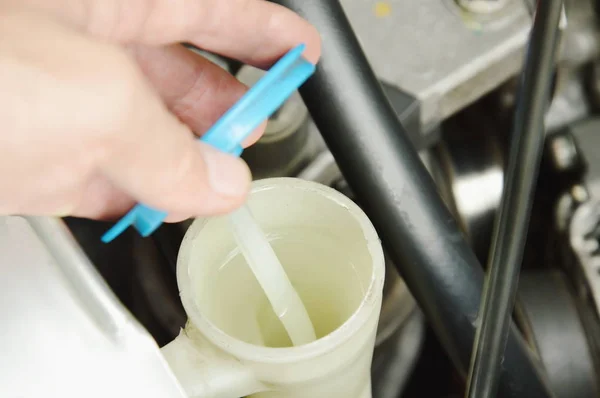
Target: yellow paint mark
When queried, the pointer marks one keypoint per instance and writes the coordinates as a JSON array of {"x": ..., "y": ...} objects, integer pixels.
[{"x": 383, "y": 9}]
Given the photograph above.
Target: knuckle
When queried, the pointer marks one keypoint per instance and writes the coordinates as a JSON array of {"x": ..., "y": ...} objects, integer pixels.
[
  {"x": 183, "y": 176},
  {"x": 123, "y": 21},
  {"x": 194, "y": 91},
  {"x": 118, "y": 87},
  {"x": 183, "y": 167}
]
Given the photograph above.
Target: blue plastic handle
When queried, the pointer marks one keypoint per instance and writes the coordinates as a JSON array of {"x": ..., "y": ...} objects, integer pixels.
[{"x": 230, "y": 131}]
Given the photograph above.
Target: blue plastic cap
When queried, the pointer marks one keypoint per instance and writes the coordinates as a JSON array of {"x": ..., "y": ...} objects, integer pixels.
[{"x": 232, "y": 129}]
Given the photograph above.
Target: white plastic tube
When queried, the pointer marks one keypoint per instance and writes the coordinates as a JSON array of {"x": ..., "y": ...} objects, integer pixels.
[{"x": 272, "y": 277}]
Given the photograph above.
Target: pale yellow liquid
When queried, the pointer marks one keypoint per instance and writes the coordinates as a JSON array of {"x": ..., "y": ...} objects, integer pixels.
[{"x": 323, "y": 273}]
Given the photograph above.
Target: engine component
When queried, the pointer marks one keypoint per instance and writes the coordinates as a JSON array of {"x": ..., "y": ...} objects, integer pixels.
[
  {"x": 398, "y": 304},
  {"x": 469, "y": 170},
  {"x": 391, "y": 183},
  {"x": 156, "y": 300},
  {"x": 579, "y": 40},
  {"x": 482, "y": 49},
  {"x": 512, "y": 224},
  {"x": 552, "y": 322},
  {"x": 288, "y": 141},
  {"x": 584, "y": 239},
  {"x": 394, "y": 361},
  {"x": 573, "y": 158},
  {"x": 400, "y": 330},
  {"x": 570, "y": 102},
  {"x": 587, "y": 140},
  {"x": 408, "y": 109},
  {"x": 584, "y": 232},
  {"x": 403, "y": 40},
  {"x": 593, "y": 84},
  {"x": 423, "y": 90}
]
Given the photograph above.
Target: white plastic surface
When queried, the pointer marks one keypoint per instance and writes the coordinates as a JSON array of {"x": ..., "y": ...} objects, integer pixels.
[
  {"x": 272, "y": 278},
  {"x": 63, "y": 333},
  {"x": 233, "y": 346}
]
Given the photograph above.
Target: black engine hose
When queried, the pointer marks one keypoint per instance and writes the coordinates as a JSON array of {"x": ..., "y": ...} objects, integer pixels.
[{"x": 347, "y": 103}]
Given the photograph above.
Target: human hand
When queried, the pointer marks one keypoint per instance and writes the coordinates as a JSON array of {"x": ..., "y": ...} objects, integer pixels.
[{"x": 99, "y": 103}]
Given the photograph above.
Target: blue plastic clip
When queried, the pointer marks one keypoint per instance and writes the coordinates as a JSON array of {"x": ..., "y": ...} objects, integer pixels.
[{"x": 230, "y": 131}]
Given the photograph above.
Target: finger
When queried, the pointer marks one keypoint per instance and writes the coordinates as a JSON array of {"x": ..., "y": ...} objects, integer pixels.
[
  {"x": 255, "y": 135},
  {"x": 256, "y": 32},
  {"x": 102, "y": 200},
  {"x": 155, "y": 158},
  {"x": 194, "y": 88}
]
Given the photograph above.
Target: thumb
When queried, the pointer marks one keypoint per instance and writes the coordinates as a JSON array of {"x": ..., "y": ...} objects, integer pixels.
[{"x": 157, "y": 160}]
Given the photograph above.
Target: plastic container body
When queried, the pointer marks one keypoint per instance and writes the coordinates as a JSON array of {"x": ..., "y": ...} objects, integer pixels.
[
  {"x": 234, "y": 345},
  {"x": 64, "y": 333}
]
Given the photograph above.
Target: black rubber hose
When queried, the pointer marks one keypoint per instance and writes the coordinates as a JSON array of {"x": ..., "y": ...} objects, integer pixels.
[
  {"x": 371, "y": 147},
  {"x": 510, "y": 232}
]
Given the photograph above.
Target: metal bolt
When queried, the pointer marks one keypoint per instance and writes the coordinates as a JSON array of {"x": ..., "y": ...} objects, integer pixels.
[
  {"x": 564, "y": 152},
  {"x": 579, "y": 193}
]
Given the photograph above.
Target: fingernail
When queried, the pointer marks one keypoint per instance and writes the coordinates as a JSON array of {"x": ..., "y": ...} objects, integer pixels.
[{"x": 227, "y": 175}]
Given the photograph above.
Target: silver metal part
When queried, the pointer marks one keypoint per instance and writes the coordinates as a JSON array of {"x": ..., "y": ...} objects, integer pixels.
[
  {"x": 438, "y": 52},
  {"x": 588, "y": 141},
  {"x": 574, "y": 151},
  {"x": 563, "y": 153},
  {"x": 570, "y": 103},
  {"x": 290, "y": 139},
  {"x": 447, "y": 56},
  {"x": 469, "y": 171},
  {"x": 287, "y": 119},
  {"x": 580, "y": 42},
  {"x": 584, "y": 236}
]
